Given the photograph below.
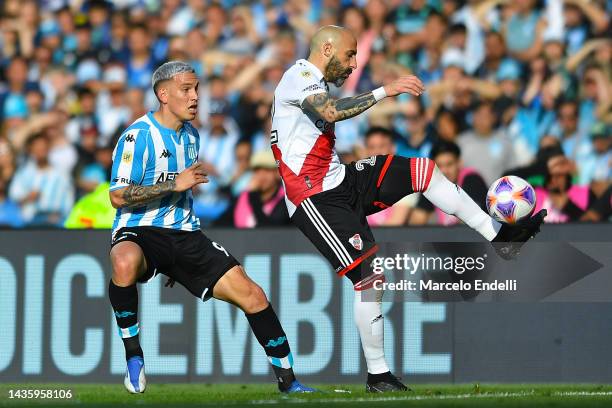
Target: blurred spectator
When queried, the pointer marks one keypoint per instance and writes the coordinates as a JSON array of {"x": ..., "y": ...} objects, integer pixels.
[
  {"x": 78, "y": 72},
  {"x": 44, "y": 193},
  {"x": 564, "y": 201},
  {"x": 94, "y": 210},
  {"x": 112, "y": 112},
  {"x": 597, "y": 166},
  {"x": 140, "y": 63},
  {"x": 485, "y": 148},
  {"x": 417, "y": 141},
  {"x": 601, "y": 210},
  {"x": 262, "y": 205},
  {"x": 10, "y": 213},
  {"x": 217, "y": 142},
  {"x": 242, "y": 175},
  {"x": 447, "y": 156},
  {"x": 7, "y": 160}
]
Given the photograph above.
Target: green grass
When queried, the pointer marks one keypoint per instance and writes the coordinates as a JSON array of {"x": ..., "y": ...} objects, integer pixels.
[{"x": 265, "y": 395}]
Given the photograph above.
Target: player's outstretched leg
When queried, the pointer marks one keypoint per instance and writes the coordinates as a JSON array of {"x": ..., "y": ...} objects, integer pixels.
[
  {"x": 451, "y": 199},
  {"x": 410, "y": 175},
  {"x": 128, "y": 263},
  {"x": 237, "y": 288}
]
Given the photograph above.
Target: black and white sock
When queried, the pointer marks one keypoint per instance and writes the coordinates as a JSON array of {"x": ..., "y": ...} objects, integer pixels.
[
  {"x": 272, "y": 337},
  {"x": 125, "y": 305}
]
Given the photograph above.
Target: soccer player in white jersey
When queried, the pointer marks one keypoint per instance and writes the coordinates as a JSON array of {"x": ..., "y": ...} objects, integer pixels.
[
  {"x": 329, "y": 201},
  {"x": 155, "y": 166}
]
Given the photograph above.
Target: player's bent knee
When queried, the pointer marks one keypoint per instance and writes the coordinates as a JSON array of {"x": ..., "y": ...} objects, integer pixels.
[
  {"x": 126, "y": 264},
  {"x": 257, "y": 300},
  {"x": 421, "y": 170}
]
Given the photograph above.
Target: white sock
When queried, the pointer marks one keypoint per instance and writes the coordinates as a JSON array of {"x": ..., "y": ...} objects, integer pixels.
[
  {"x": 451, "y": 199},
  {"x": 370, "y": 322}
]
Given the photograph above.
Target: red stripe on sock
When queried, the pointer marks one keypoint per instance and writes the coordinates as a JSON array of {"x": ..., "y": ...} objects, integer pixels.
[
  {"x": 430, "y": 169},
  {"x": 358, "y": 260},
  {"x": 413, "y": 173},
  {"x": 384, "y": 170},
  {"x": 368, "y": 282}
]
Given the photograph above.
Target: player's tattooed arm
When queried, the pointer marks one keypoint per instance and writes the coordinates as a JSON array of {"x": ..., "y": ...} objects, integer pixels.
[
  {"x": 334, "y": 110},
  {"x": 135, "y": 195}
]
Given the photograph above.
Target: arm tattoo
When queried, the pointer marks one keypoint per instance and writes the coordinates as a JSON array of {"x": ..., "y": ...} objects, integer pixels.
[
  {"x": 334, "y": 110},
  {"x": 135, "y": 196}
]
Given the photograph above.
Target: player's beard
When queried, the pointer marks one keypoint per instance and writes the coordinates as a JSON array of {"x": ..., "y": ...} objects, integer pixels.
[{"x": 336, "y": 72}]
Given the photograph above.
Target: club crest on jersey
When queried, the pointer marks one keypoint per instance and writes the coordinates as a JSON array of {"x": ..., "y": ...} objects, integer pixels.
[
  {"x": 306, "y": 74},
  {"x": 356, "y": 242},
  {"x": 191, "y": 151}
]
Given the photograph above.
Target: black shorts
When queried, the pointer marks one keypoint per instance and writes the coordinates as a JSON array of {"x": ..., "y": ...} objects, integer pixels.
[
  {"x": 188, "y": 257},
  {"x": 335, "y": 220}
]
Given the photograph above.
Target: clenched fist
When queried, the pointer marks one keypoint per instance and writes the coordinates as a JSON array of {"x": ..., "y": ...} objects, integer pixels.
[
  {"x": 190, "y": 177},
  {"x": 405, "y": 84}
]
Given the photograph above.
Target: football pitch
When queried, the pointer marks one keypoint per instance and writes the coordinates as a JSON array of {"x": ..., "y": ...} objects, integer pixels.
[{"x": 265, "y": 395}]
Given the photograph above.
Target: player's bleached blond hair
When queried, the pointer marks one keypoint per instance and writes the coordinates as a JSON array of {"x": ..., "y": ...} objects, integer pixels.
[{"x": 168, "y": 70}]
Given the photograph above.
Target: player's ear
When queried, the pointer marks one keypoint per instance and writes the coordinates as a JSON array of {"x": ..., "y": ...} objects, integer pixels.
[
  {"x": 162, "y": 94},
  {"x": 328, "y": 49}
]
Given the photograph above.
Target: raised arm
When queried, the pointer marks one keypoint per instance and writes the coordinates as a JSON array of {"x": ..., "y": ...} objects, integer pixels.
[{"x": 334, "y": 110}]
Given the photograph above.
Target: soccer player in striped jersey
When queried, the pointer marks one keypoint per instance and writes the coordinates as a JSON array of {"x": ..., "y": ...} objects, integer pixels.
[
  {"x": 329, "y": 200},
  {"x": 155, "y": 166}
]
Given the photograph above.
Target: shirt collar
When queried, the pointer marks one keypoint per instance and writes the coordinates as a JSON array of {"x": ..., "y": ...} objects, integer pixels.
[
  {"x": 317, "y": 72},
  {"x": 167, "y": 131}
]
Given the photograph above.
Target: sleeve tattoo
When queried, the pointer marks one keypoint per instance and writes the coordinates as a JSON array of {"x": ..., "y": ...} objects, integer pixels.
[
  {"x": 333, "y": 110},
  {"x": 135, "y": 195}
]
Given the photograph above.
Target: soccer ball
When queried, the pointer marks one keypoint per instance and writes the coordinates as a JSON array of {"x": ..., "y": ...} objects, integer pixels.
[{"x": 510, "y": 199}]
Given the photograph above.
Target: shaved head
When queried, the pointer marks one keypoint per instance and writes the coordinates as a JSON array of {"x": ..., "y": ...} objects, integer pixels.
[
  {"x": 334, "y": 48},
  {"x": 328, "y": 34}
]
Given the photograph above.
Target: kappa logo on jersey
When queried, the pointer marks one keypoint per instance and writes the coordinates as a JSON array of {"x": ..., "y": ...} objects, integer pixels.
[
  {"x": 370, "y": 160},
  {"x": 166, "y": 176},
  {"x": 129, "y": 138},
  {"x": 165, "y": 154},
  {"x": 356, "y": 242}
]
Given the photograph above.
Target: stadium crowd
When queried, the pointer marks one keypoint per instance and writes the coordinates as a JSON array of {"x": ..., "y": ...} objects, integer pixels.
[{"x": 518, "y": 87}]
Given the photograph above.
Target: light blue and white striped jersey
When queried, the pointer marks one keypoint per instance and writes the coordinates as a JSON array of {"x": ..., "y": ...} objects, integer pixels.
[
  {"x": 55, "y": 190},
  {"x": 146, "y": 154}
]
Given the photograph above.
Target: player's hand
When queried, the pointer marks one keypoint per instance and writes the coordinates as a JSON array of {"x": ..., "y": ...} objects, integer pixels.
[
  {"x": 33, "y": 196},
  {"x": 190, "y": 177},
  {"x": 405, "y": 84}
]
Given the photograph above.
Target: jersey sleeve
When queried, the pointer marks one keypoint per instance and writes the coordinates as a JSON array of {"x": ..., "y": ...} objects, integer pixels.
[
  {"x": 129, "y": 159},
  {"x": 304, "y": 83}
]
